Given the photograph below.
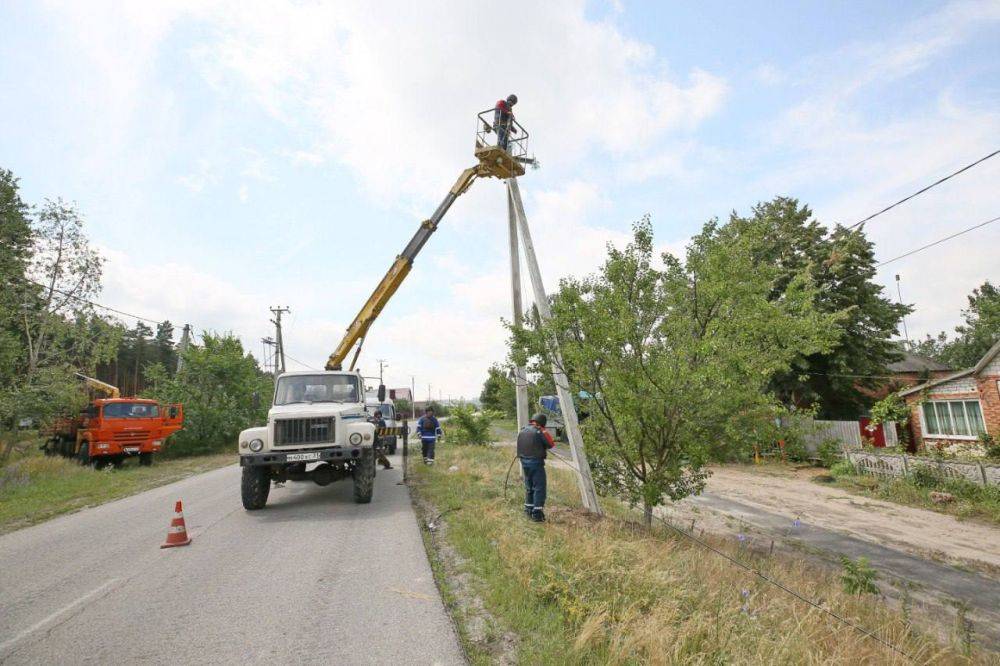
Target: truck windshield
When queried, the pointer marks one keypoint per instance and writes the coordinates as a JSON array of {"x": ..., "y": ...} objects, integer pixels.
[
  {"x": 131, "y": 410},
  {"x": 316, "y": 388}
]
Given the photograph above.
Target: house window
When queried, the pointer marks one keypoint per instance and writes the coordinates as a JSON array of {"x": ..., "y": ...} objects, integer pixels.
[{"x": 953, "y": 418}]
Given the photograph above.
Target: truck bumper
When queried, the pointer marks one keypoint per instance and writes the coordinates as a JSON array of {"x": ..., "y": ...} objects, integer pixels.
[{"x": 331, "y": 454}]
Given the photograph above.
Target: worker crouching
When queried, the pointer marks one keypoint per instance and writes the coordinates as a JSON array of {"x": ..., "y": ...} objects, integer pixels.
[{"x": 533, "y": 444}]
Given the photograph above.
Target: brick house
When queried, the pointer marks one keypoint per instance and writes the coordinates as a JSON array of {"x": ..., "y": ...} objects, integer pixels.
[
  {"x": 955, "y": 409},
  {"x": 910, "y": 370}
]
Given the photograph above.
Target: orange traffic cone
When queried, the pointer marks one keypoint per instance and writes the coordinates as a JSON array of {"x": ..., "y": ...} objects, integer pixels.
[{"x": 177, "y": 534}]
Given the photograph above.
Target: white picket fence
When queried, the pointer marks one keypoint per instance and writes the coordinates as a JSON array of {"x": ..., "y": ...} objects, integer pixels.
[{"x": 892, "y": 465}]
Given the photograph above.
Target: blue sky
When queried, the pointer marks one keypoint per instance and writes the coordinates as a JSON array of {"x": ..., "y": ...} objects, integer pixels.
[{"x": 232, "y": 156}]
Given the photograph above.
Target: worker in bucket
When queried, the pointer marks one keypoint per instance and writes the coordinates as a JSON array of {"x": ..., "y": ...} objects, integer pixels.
[
  {"x": 379, "y": 423},
  {"x": 429, "y": 429},
  {"x": 533, "y": 444},
  {"x": 503, "y": 120}
]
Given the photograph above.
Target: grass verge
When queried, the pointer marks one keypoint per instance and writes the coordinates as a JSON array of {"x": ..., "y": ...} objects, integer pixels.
[
  {"x": 578, "y": 590},
  {"x": 970, "y": 500},
  {"x": 35, "y": 488}
]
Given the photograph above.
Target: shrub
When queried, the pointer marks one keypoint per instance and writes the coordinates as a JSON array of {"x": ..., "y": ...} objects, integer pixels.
[
  {"x": 829, "y": 453},
  {"x": 858, "y": 576},
  {"x": 991, "y": 446},
  {"x": 470, "y": 427},
  {"x": 842, "y": 468}
]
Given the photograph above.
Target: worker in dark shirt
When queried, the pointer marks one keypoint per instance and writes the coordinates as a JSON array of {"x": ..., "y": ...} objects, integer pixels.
[
  {"x": 503, "y": 120},
  {"x": 379, "y": 423},
  {"x": 429, "y": 429},
  {"x": 533, "y": 443}
]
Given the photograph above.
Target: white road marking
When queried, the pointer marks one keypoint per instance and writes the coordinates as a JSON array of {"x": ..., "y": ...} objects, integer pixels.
[{"x": 62, "y": 611}]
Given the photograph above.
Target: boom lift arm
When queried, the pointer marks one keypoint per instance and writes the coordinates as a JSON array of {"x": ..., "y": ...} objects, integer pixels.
[
  {"x": 98, "y": 385},
  {"x": 400, "y": 268}
]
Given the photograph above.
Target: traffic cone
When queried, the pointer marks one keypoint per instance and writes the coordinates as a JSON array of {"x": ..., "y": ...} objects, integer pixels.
[{"x": 177, "y": 534}]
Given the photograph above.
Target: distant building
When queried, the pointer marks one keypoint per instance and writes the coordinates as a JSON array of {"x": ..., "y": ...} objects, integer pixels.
[
  {"x": 401, "y": 394},
  {"x": 956, "y": 408}
]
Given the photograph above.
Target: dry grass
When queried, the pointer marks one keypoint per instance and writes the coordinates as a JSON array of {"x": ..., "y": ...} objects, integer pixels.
[{"x": 580, "y": 590}]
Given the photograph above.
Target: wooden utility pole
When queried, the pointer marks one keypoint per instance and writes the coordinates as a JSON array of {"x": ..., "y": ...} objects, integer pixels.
[
  {"x": 586, "y": 482},
  {"x": 278, "y": 311},
  {"x": 520, "y": 376}
]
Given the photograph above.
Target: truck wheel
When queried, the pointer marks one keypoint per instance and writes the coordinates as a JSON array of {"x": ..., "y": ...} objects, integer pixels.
[
  {"x": 145, "y": 459},
  {"x": 118, "y": 461},
  {"x": 84, "y": 455},
  {"x": 392, "y": 446},
  {"x": 364, "y": 476},
  {"x": 255, "y": 487}
]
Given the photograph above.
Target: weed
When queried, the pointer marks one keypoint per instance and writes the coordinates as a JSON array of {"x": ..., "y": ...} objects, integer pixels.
[{"x": 858, "y": 577}]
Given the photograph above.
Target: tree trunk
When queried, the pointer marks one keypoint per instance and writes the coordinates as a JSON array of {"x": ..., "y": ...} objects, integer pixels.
[{"x": 647, "y": 514}]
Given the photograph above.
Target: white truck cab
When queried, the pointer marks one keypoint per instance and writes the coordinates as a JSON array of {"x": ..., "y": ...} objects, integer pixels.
[{"x": 317, "y": 429}]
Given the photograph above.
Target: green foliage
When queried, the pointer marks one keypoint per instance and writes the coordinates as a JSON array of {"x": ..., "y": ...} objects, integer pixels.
[
  {"x": 466, "y": 426},
  {"x": 890, "y": 409},
  {"x": 974, "y": 338},
  {"x": 990, "y": 445},
  {"x": 498, "y": 392},
  {"x": 841, "y": 264},
  {"x": 404, "y": 408},
  {"x": 829, "y": 452},
  {"x": 858, "y": 577},
  {"x": 678, "y": 358},
  {"x": 842, "y": 469},
  {"x": 216, "y": 386}
]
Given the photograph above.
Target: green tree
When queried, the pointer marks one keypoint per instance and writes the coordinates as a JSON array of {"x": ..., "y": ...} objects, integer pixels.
[
  {"x": 786, "y": 238},
  {"x": 15, "y": 254},
  {"x": 677, "y": 359},
  {"x": 498, "y": 391},
  {"x": 981, "y": 329},
  {"x": 216, "y": 386}
]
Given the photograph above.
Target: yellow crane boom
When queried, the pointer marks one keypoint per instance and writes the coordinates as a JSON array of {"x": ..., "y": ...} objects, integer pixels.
[
  {"x": 400, "y": 268},
  {"x": 98, "y": 385}
]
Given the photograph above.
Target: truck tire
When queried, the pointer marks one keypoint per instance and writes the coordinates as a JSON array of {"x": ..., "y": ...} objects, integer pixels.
[
  {"x": 255, "y": 487},
  {"x": 364, "y": 476},
  {"x": 145, "y": 459}
]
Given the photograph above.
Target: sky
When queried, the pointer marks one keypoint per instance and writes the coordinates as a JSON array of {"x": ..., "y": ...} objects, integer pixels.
[{"x": 232, "y": 156}]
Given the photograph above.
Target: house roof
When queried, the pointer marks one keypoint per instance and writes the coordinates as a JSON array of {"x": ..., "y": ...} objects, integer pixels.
[
  {"x": 976, "y": 369},
  {"x": 916, "y": 363}
]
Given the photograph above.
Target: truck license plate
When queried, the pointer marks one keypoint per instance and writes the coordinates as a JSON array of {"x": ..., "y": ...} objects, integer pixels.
[
  {"x": 297, "y": 457},
  {"x": 130, "y": 449}
]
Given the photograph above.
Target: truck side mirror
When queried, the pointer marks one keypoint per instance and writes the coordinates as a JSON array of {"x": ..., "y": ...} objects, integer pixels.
[
  {"x": 172, "y": 411},
  {"x": 256, "y": 400},
  {"x": 381, "y": 392}
]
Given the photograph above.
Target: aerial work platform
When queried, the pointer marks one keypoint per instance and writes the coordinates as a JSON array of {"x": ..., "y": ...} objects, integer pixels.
[{"x": 496, "y": 160}]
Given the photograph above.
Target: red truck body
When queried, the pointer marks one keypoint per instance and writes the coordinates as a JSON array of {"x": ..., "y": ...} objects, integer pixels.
[{"x": 112, "y": 429}]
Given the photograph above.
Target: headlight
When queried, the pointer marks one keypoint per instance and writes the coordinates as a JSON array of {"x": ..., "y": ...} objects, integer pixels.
[
  {"x": 256, "y": 445},
  {"x": 355, "y": 438},
  {"x": 157, "y": 442}
]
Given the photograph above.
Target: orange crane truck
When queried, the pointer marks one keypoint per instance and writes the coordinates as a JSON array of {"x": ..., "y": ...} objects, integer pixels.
[{"x": 113, "y": 428}]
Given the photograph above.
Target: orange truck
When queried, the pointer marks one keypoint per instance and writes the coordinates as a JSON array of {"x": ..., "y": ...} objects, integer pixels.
[{"x": 113, "y": 428}]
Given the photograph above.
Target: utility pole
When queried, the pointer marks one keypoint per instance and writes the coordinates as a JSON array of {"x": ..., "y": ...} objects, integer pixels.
[
  {"x": 586, "y": 482},
  {"x": 413, "y": 396},
  {"x": 278, "y": 311},
  {"x": 381, "y": 364},
  {"x": 520, "y": 376},
  {"x": 899, "y": 294},
  {"x": 182, "y": 348},
  {"x": 267, "y": 345}
]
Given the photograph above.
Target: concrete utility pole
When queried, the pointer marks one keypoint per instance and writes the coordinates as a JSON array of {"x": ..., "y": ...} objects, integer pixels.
[
  {"x": 381, "y": 364},
  {"x": 899, "y": 294},
  {"x": 520, "y": 376},
  {"x": 413, "y": 396},
  {"x": 586, "y": 482},
  {"x": 278, "y": 311},
  {"x": 184, "y": 344}
]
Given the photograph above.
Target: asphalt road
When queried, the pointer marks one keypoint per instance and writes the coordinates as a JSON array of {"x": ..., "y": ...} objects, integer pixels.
[{"x": 312, "y": 577}]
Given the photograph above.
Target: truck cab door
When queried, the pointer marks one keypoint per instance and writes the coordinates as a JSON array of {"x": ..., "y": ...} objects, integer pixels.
[{"x": 173, "y": 418}]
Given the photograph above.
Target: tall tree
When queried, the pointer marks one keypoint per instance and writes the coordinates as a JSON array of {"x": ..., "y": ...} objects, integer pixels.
[
  {"x": 841, "y": 263},
  {"x": 677, "y": 359}
]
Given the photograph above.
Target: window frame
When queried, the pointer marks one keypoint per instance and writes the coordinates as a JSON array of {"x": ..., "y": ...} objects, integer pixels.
[{"x": 951, "y": 421}]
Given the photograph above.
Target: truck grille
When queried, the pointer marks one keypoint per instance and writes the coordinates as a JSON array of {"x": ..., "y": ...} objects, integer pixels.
[
  {"x": 288, "y": 432},
  {"x": 131, "y": 436}
]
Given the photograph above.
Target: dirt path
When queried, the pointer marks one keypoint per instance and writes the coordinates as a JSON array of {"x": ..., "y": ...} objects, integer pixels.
[{"x": 918, "y": 531}]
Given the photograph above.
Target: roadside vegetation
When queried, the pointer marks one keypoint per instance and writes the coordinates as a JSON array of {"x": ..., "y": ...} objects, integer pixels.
[
  {"x": 579, "y": 590},
  {"x": 35, "y": 488},
  {"x": 968, "y": 500}
]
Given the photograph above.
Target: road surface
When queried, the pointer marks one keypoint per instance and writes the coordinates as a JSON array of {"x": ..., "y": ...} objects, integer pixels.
[{"x": 312, "y": 577}]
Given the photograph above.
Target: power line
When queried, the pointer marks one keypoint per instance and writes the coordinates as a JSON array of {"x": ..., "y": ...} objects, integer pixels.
[
  {"x": 90, "y": 302},
  {"x": 292, "y": 358},
  {"x": 938, "y": 242},
  {"x": 921, "y": 191}
]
